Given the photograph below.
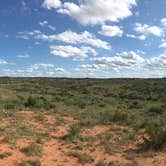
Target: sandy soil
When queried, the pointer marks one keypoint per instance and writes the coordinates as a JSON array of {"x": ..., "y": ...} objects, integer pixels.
[{"x": 55, "y": 151}]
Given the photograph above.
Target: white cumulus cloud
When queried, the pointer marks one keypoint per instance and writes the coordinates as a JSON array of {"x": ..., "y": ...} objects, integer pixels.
[
  {"x": 93, "y": 11},
  {"x": 51, "y": 4},
  {"x": 3, "y": 62},
  {"x": 148, "y": 30},
  {"x": 72, "y": 52},
  {"x": 158, "y": 62},
  {"x": 111, "y": 31},
  {"x": 67, "y": 37},
  {"x": 123, "y": 59},
  {"x": 163, "y": 21},
  {"x": 163, "y": 45},
  {"x": 140, "y": 37}
]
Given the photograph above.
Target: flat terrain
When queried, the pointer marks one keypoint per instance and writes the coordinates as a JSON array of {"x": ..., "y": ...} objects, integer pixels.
[{"x": 75, "y": 122}]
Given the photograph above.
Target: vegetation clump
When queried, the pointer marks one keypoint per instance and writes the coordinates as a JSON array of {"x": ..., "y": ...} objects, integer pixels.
[
  {"x": 156, "y": 138},
  {"x": 32, "y": 150}
]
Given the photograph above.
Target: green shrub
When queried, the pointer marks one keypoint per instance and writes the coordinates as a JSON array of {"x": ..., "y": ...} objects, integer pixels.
[
  {"x": 5, "y": 155},
  {"x": 24, "y": 131},
  {"x": 101, "y": 163},
  {"x": 38, "y": 102},
  {"x": 74, "y": 132},
  {"x": 106, "y": 117},
  {"x": 154, "y": 110},
  {"x": 31, "y": 102},
  {"x": 83, "y": 158},
  {"x": 135, "y": 105},
  {"x": 156, "y": 139},
  {"x": 6, "y": 113},
  {"x": 32, "y": 150},
  {"x": 30, "y": 163},
  {"x": 40, "y": 117},
  {"x": 81, "y": 104},
  {"x": 120, "y": 117},
  {"x": 137, "y": 121}
]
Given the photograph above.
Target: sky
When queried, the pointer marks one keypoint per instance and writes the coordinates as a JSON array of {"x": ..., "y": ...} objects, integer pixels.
[{"x": 83, "y": 38}]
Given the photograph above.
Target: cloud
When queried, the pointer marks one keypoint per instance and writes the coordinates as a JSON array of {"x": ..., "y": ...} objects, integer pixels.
[
  {"x": 37, "y": 43},
  {"x": 91, "y": 67},
  {"x": 59, "y": 69},
  {"x": 158, "y": 62},
  {"x": 111, "y": 31},
  {"x": 23, "y": 56},
  {"x": 67, "y": 37},
  {"x": 140, "y": 37},
  {"x": 27, "y": 35},
  {"x": 3, "y": 62},
  {"x": 162, "y": 45},
  {"x": 45, "y": 24},
  {"x": 41, "y": 65},
  {"x": 25, "y": 8},
  {"x": 145, "y": 29},
  {"x": 94, "y": 11},
  {"x": 72, "y": 52},
  {"x": 36, "y": 70},
  {"x": 123, "y": 59},
  {"x": 163, "y": 21},
  {"x": 51, "y": 4}
]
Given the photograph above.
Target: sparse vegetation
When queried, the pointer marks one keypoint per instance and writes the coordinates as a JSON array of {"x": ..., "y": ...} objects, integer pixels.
[{"x": 82, "y": 117}]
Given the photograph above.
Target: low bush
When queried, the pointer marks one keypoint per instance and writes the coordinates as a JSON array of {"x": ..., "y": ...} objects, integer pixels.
[
  {"x": 154, "y": 110},
  {"x": 156, "y": 139},
  {"x": 5, "y": 155},
  {"x": 32, "y": 150},
  {"x": 30, "y": 163},
  {"x": 101, "y": 163},
  {"x": 83, "y": 158},
  {"x": 38, "y": 102},
  {"x": 74, "y": 133}
]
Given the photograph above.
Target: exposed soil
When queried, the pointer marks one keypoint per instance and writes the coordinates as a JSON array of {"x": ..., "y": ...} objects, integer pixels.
[{"x": 55, "y": 151}]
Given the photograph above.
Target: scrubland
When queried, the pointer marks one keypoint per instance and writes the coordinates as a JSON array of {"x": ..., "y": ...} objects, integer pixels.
[{"x": 75, "y": 122}]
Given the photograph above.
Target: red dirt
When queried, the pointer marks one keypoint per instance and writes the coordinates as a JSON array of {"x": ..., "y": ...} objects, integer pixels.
[{"x": 55, "y": 151}]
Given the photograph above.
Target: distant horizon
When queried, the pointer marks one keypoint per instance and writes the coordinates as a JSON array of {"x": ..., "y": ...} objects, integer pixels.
[
  {"x": 99, "y": 78},
  {"x": 83, "y": 39}
]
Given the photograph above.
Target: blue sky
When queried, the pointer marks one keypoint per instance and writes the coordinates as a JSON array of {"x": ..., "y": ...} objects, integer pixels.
[{"x": 83, "y": 38}]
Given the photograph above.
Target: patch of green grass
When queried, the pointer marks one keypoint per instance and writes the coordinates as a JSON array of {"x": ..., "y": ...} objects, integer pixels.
[
  {"x": 40, "y": 117},
  {"x": 101, "y": 163},
  {"x": 6, "y": 113},
  {"x": 24, "y": 131},
  {"x": 83, "y": 158},
  {"x": 5, "y": 155},
  {"x": 30, "y": 163},
  {"x": 9, "y": 138},
  {"x": 74, "y": 133},
  {"x": 130, "y": 136},
  {"x": 132, "y": 164},
  {"x": 155, "y": 110},
  {"x": 105, "y": 142},
  {"x": 32, "y": 150}
]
